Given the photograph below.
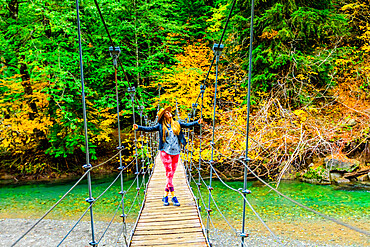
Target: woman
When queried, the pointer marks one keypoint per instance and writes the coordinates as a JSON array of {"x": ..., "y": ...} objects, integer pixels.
[{"x": 170, "y": 139}]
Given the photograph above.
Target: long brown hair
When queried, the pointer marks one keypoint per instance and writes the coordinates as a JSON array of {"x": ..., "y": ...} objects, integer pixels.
[{"x": 175, "y": 125}]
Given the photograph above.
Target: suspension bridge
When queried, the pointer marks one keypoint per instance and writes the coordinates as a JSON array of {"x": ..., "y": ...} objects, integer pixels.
[
  {"x": 157, "y": 225},
  {"x": 175, "y": 226}
]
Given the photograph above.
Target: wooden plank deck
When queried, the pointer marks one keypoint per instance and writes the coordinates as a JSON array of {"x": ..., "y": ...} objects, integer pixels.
[{"x": 160, "y": 225}]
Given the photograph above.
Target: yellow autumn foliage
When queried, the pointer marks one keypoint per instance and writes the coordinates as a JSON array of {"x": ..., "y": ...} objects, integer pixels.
[
  {"x": 18, "y": 131},
  {"x": 182, "y": 81}
]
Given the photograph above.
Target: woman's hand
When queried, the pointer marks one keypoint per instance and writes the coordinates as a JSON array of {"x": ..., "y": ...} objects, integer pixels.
[
  {"x": 135, "y": 126},
  {"x": 200, "y": 121}
]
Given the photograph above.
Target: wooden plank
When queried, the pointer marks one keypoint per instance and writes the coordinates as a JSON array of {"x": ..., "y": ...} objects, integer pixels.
[
  {"x": 179, "y": 197},
  {"x": 170, "y": 216},
  {"x": 160, "y": 196},
  {"x": 178, "y": 235},
  {"x": 156, "y": 207},
  {"x": 164, "y": 227},
  {"x": 166, "y": 231},
  {"x": 199, "y": 244},
  {"x": 190, "y": 242},
  {"x": 160, "y": 225},
  {"x": 165, "y": 213},
  {"x": 178, "y": 218},
  {"x": 184, "y": 221},
  {"x": 159, "y": 208}
]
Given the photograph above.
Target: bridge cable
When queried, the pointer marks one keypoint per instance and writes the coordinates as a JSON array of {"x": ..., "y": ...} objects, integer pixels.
[
  {"x": 110, "y": 38},
  {"x": 132, "y": 91},
  {"x": 52, "y": 207},
  {"x": 217, "y": 55},
  {"x": 114, "y": 215},
  {"x": 221, "y": 38},
  {"x": 62, "y": 198},
  {"x": 202, "y": 90},
  {"x": 214, "y": 201},
  {"x": 91, "y": 204},
  {"x": 141, "y": 209},
  {"x": 148, "y": 148},
  {"x": 192, "y": 142},
  {"x": 78, "y": 221},
  {"x": 247, "y": 159},
  {"x": 115, "y": 54},
  {"x": 87, "y": 165},
  {"x": 224, "y": 217},
  {"x": 305, "y": 207},
  {"x": 250, "y": 206},
  {"x": 217, "y": 52},
  {"x": 141, "y": 109},
  {"x": 124, "y": 223}
]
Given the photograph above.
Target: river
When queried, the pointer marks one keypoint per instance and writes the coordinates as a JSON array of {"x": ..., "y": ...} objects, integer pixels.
[{"x": 350, "y": 204}]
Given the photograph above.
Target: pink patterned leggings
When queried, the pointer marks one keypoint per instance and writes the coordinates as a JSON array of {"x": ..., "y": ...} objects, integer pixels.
[{"x": 170, "y": 164}]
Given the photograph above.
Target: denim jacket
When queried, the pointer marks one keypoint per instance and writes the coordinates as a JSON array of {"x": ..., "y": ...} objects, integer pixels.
[{"x": 159, "y": 128}]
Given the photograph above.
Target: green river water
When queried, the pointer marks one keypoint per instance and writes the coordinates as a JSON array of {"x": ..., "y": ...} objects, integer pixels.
[{"x": 349, "y": 204}]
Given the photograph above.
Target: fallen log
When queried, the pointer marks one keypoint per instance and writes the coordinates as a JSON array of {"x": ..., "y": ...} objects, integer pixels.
[{"x": 356, "y": 173}]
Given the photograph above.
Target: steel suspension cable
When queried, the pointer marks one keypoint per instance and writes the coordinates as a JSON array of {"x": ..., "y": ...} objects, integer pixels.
[
  {"x": 188, "y": 165},
  {"x": 52, "y": 207},
  {"x": 110, "y": 222},
  {"x": 202, "y": 89},
  {"x": 132, "y": 93},
  {"x": 196, "y": 101},
  {"x": 227, "y": 22},
  {"x": 78, "y": 221},
  {"x": 105, "y": 25},
  {"x": 218, "y": 209},
  {"x": 250, "y": 206},
  {"x": 245, "y": 191},
  {"x": 214, "y": 202},
  {"x": 124, "y": 227},
  {"x": 62, "y": 198},
  {"x": 120, "y": 147},
  {"x": 217, "y": 55},
  {"x": 141, "y": 109},
  {"x": 147, "y": 140},
  {"x": 91, "y": 204},
  {"x": 192, "y": 141},
  {"x": 110, "y": 38},
  {"x": 87, "y": 165},
  {"x": 220, "y": 41},
  {"x": 307, "y": 208},
  {"x": 204, "y": 182}
]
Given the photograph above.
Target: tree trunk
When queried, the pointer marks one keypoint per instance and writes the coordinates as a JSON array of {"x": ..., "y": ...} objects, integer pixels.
[{"x": 26, "y": 84}]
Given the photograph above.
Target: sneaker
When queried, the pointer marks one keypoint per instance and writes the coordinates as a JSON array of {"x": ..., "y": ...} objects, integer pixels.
[
  {"x": 175, "y": 201},
  {"x": 165, "y": 201}
]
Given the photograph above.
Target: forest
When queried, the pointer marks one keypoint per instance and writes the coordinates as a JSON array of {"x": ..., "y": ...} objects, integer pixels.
[{"x": 310, "y": 83}]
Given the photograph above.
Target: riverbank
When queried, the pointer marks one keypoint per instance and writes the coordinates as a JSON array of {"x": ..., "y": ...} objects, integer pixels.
[{"x": 51, "y": 232}]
